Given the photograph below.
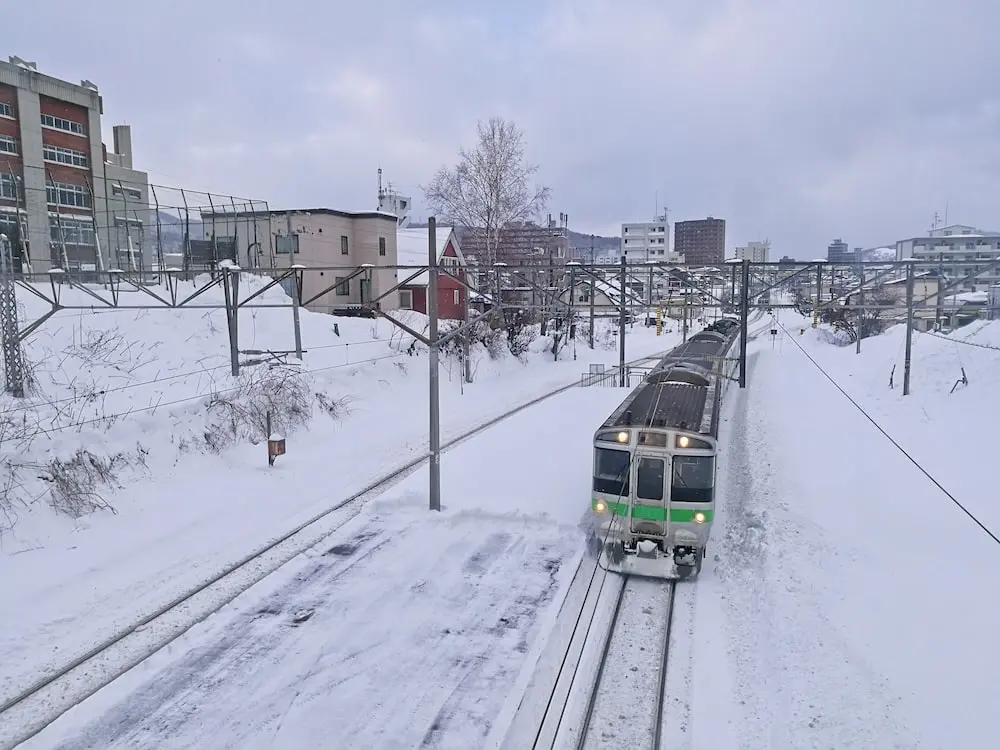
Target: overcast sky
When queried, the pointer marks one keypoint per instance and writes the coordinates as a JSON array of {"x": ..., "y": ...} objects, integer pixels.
[{"x": 795, "y": 120}]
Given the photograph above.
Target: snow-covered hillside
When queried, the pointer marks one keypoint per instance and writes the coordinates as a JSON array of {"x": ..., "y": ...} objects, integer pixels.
[{"x": 137, "y": 411}]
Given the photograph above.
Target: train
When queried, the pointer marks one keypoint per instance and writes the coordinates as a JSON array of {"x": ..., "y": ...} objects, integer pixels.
[{"x": 653, "y": 498}]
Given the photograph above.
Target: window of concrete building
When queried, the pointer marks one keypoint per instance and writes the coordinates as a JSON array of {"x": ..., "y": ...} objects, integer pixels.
[
  {"x": 381, "y": 245},
  {"x": 127, "y": 192},
  {"x": 343, "y": 286},
  {"x": 8, "y": 145},
  {"x": 6, "y": 110},
  {"x": 9, "y": 187},
  {"x": 67, "y": 156},
  {"x": 344, "y": 247},
  {"x": 406, "y": 299},
  {"x": 67, "y": 231},
  {"x": 60, "y": 123},
  {"x": 65, "y": 194}
]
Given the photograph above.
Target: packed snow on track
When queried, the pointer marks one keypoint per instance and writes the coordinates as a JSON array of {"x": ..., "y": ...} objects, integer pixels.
[{"x": 404, "y": 629}]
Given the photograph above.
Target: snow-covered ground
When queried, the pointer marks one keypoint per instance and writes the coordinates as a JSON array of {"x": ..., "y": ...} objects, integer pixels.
[
  {"x": 418, "y": 623},
  {"x": 191, "y": 494},
  {"x": 848, "y": 600}
]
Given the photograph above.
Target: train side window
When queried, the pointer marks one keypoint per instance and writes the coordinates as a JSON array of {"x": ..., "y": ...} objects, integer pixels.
[
  {"x": 649, "y": 479},
  {"x": 611, "y": 470},
  {"x": 693, "y": 479}
]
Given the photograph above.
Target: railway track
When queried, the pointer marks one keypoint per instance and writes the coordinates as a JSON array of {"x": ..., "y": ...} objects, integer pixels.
[{"x": 27, "y": 712}]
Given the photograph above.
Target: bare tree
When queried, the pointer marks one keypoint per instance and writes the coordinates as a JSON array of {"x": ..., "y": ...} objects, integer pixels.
[
  {"x": 490, "y": 187},
  {"x": 866, "y": 322}
]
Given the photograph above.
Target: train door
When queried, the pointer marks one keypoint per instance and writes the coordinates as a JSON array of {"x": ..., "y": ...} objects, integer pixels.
[{"x": 650, "y": 496}]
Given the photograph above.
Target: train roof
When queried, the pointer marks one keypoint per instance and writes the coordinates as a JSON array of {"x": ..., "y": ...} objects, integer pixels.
[{"x": 679, "y": 392}]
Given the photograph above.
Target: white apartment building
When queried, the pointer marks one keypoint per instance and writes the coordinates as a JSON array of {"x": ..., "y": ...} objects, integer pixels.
[
  {"x": 960, "y": 250},
  {"x": 755, "y": 252},
  {"x": 645, "y": 241},
  {"x": 317, "y": 237}
]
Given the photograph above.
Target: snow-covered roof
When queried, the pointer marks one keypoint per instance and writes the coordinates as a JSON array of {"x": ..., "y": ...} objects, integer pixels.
[
  {"x": 611, "y": 292},
  {"x": 412, "y": 246}
]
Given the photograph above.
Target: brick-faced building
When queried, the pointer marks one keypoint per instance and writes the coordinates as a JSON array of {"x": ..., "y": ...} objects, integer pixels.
[
  {"x": 61, "y": 193},
  {"x": 702, "y": 242}
]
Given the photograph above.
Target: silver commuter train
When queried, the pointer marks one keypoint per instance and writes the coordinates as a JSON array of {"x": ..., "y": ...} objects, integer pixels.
[{"x": 653, "y": 498}]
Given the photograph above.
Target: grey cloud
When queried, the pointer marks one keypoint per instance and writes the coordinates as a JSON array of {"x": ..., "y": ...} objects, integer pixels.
[{"x": 799, "y": 120}]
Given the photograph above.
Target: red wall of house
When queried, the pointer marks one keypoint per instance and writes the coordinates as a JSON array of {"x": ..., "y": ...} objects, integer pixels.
[{"x": 451, "y": 306}]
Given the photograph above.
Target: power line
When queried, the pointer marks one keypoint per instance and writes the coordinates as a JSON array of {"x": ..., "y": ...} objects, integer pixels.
[
  {"x": 962, "y": 341},
  {"x": 154, "y": 407},
  {"x": 202, "y": 371},
  {"x": 889, "y": 437}
]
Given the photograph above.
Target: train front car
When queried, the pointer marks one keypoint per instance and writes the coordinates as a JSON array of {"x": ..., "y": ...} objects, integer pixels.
[{"x": 653, "y": 495}]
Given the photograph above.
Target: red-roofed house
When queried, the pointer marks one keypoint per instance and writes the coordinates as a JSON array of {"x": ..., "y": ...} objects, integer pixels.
[{"x": 411, "y": 250}]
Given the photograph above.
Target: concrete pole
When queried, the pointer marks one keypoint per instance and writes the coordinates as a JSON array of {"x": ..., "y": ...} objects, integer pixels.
[
  {"x": 861, "y": 311},
  {"x": 432, "y": 335},
  {"x": 909, "y": 328},
  {"x": 744, "y": 318},
  {"x": 621, "y": 325},
  {"x": 295, "y": 291}
]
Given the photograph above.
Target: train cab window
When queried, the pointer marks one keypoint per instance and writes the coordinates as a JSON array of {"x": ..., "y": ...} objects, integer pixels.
[
  {"x": 611, "y": 471},
  {"x": 693, "y": 479},
  {"x": 649, "y": 479}
]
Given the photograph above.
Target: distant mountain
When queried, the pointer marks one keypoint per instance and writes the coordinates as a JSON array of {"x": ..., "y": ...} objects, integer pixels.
[{"x": 581, "y": 240}]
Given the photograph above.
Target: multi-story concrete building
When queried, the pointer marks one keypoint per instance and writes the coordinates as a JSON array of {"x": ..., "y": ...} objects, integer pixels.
[
  {"x": 702, "y": 242},
  {"x": 316, "y": 237},
  {"x": 960, "y": 250},
  {"x": 838, "y": 252},
  {"x": 56, "y": 201},
  {"x": 755, "y": 252},
  {"x": 644, "y": 241}
]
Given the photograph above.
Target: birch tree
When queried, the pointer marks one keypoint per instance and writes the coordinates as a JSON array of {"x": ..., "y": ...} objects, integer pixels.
[{"x": 490, "y": 186}]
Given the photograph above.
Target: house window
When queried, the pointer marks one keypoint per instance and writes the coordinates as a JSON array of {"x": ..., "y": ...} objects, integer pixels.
[
  {"x": 344, "y": 248},
  {"x": 343, "y": 286},
  {"x": 65, "y": 194},
  {"x": 406, "y": 299},
  {"x": 59, "y": 123},
  {"x": 457, "y": 297},
  {"x": 61, "y": 155},
  {"x": 381, "y": 245},
  {"x": 6, "y": 110},
  {"x": 8, "y": 145}
]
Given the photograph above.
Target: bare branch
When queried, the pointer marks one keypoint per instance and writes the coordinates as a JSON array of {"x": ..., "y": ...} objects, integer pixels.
[{"x": 490, "y": 187}]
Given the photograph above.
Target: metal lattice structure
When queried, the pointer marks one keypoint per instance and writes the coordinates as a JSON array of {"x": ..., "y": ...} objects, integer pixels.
[{"x": 13, "y": 362}]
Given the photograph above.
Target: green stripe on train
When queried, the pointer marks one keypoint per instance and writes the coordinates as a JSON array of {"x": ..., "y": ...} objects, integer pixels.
[{"x": 654, "y": 513}]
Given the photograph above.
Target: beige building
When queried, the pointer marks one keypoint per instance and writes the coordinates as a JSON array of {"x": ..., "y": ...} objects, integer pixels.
[{"x": 316, "y": 238}]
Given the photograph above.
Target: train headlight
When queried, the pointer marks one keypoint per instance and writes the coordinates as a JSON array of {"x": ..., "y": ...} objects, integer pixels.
[
  {"x": 600, "y": 507},
  {"x": 699, "y": 517},
  {"x": 683, "y": 441},
  {"x": 623, "y": 437}
]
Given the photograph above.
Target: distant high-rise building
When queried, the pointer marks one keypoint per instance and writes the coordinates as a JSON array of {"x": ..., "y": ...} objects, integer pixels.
[
  {"x": 644, "y": 241},
  {"x": 702, "y": 242},
  {"x": 755, "y": 252},
  {"x": 838, "y": 252}
]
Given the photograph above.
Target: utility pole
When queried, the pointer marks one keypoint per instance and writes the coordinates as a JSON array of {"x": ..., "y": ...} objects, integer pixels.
[
  {"x": 861, "y": 311},
  {"x": 621, "y": 325},
  {"x": 293, "y": 245},
  {"x": 593, "y": 291},
  {"x": 432, "y": 335},
  {"x": 13, "y": 362},
  {"x": 231, "y": 289},
  {"x": 909, "y": 327},
  {"x": 744, "y": 318}
]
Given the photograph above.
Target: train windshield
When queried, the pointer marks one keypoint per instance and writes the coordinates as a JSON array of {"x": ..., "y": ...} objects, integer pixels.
[
  {"x": 693, "y": 479},
  {"x": 611, "y": 471}
]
